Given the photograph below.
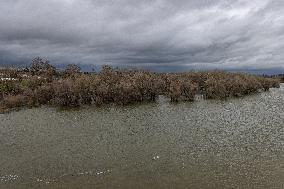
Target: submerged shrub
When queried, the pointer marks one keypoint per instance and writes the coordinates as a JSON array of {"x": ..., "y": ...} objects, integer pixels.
[
  {"x": 189, "y": 90},
  {"x": 175, "y": 90},
  {"x": 269, "y": 83},
  {"x": 274, "y": 83},
  {"x": 66, "y": 93},
  {"x": 239, "y": 85},
  {"x": 13, "y": 101},
  {"x": 215, "y": 89},
  {"x": 221, "y": 85},
  {"x": 73, "y": 88},
  {"x": 125, "y": 92},
  {"x": 44, "y": 94}
]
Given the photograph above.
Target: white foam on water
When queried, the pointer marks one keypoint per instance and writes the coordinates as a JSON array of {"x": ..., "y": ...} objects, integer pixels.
[
  {"x": 9, "y": 178},
  {"x": 156, "y": 157}
]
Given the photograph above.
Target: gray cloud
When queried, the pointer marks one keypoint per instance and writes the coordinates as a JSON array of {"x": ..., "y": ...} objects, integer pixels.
[{"x": 165, "y": 34}]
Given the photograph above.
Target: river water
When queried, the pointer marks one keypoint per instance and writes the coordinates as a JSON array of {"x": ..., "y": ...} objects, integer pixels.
[{"x": 237, "y": 143}]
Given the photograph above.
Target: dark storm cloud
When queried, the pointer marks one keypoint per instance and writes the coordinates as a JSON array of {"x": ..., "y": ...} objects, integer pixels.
[{"x": 159, "y": 34}]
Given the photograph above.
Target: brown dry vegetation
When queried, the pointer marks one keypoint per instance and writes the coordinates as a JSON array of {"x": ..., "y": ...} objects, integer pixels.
[{"x": 71, "y": 88}]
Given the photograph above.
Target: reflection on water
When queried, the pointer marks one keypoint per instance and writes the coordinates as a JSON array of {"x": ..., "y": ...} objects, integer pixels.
[{"x": 236, "y": 143}]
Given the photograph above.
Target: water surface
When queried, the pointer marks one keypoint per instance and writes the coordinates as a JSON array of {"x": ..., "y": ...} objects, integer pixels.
[{"x": 238, "y": 143}]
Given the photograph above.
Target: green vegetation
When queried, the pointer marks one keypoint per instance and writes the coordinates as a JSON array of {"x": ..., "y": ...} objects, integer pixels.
[{"x": 42, "y": 84}]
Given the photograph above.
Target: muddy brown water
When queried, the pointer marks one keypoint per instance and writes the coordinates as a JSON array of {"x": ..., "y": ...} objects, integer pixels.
[{"x": 237, "y": 143}]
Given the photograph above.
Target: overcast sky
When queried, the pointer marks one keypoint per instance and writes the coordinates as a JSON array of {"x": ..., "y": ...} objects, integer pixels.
[{"x": 160, "y": 34}]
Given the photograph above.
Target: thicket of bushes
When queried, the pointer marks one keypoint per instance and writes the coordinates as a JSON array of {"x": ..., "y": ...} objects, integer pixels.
[{"x": 70, "y": 88}]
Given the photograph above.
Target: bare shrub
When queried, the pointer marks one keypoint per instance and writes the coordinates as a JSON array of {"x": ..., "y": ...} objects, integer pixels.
[
  {"x": 71, "y": 70},
  {"x": 66, "y": 93},
  {"x": 269, "y": 83},
  {"x": 74, "y": 88},
  {"x": 43, "y": 68},
  {"x": 14, "y": 101},
  {"x": 189, "y": 90},
  {"x": 275, "y": 83},
  {"x": 125, "y": 93},
  {"x": 215, "y": 89},
  {"x": 221, "y": 85},
  {"x": 44, "y": 94},
  {"x": 175, "y": 90}
]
